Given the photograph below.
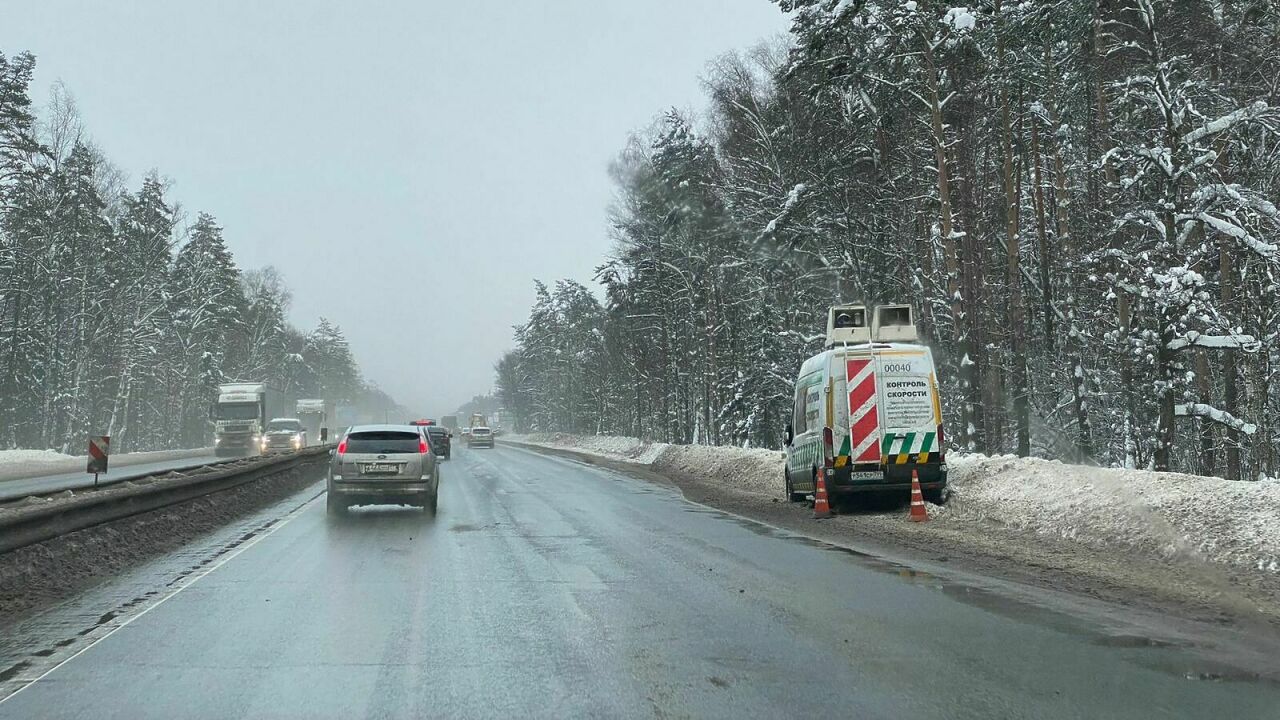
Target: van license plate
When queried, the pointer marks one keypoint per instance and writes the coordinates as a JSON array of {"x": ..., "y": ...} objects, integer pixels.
[
  {"x": 380, "y": 468},
  {"x": 869, "y": 475}
]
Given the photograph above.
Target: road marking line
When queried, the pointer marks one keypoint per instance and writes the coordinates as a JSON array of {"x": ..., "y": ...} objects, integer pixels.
[{"x": 183, "y": 585}]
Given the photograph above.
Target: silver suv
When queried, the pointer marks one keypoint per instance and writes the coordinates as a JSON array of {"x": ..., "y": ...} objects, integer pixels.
[
  {"x": 480, "y": 437},
  {"x": 284, "y": 435},
  {"x": 383, "y": 464}
]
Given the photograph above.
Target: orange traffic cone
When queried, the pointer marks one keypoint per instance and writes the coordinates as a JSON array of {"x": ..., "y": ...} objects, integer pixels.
[
  {"x": 918, "y": 511},
  {"x": 821, "y": 505}
]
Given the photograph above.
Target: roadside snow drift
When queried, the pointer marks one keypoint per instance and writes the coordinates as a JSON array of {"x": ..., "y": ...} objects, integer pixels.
[
  {"x": 1166, "y": 515},
  {"x": 35, "y": 463}
]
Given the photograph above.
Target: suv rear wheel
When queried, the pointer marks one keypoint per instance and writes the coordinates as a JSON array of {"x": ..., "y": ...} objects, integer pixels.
[{"x": 335, "y": 505}]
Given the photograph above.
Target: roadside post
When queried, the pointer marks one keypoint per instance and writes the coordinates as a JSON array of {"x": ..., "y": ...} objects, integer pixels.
[
  {"x": 324, "y": 435},
  {"x": 99, "y": 451}
]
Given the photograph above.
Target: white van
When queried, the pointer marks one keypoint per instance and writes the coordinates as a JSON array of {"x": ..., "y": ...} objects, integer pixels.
[{"x": 870, "y": 403}]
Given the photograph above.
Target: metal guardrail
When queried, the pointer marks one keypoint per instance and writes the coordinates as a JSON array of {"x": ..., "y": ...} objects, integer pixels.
[
  {"x": 27, "y": 525},
  {"x": 7, "y": 496}
]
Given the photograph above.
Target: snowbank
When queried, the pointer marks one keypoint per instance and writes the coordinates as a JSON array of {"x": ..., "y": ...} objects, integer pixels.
[
  {"x": 1164, "y": 515},
  {"x": 34, "y": 463},
  {"x": 30, "y": 457},
  {"x": 615, "y": 447}
]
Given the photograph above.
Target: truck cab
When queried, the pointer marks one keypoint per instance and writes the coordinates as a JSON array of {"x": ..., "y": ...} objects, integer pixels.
[{"x": 239, "y": 418}]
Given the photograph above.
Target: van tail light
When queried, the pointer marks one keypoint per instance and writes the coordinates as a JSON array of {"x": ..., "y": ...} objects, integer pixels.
[
  {"x": 828, "y": 447},
  {"x": 342, "y": 447},
  {"x": 422, "y": 446},
  {"x": 942, "y": 443}
]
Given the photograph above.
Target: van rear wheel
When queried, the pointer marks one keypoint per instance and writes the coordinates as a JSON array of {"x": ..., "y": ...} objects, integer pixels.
[{"x": 792, "y": 495}]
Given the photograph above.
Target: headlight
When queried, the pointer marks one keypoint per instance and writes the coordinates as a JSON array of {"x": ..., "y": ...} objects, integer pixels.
[{"x": 338, "y": 478}]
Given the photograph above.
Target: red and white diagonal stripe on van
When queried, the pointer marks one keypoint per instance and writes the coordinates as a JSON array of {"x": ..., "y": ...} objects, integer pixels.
[{"x": 864, "y": 421}]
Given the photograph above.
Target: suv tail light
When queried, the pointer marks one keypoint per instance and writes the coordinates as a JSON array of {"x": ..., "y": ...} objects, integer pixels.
[
  {"x": 422, "y": 446},
  {"x": 342, "y": 447}
]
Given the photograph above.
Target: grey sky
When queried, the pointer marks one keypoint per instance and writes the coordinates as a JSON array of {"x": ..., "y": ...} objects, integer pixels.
[{"x": 387, "y": 155}]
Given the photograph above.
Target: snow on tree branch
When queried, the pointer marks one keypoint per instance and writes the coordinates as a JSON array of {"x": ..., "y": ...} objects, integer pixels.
[
  {"x": 1230, "y": 229},
  {"x": 1216, "y": 342},
  {"x": 1208, "y": 412},
  {"x": 1226, "y": 122}
]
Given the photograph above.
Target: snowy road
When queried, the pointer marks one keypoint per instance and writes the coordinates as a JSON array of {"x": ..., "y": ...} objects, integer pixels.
[
  {"x": 40, "y": 482},
  {"x": 549, "y": 588}
]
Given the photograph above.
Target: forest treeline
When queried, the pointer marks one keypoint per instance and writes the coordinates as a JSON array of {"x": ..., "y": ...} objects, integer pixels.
[
  {"x": 1078, "y": 197},
  {"x": 119, "y": 313}
]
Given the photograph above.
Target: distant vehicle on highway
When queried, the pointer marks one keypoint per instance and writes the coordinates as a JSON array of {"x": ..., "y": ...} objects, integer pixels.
[
  {"x": 315, "y": 414},
  {"x": 240, "y": 416},
  {"x": 481, "y": 436},
  {"x": 383, "y": 465},
  {"x": 424, "y": 422},
  {"x": 284, "y": 435},
  {"x": 439, "y": 438}
]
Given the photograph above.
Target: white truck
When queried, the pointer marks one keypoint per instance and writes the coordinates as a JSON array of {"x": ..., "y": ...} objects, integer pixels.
[
  {"x": 240, "y": 417},
  {"x": 867, "y": 409},
  {"x": 315, "y": 413}
]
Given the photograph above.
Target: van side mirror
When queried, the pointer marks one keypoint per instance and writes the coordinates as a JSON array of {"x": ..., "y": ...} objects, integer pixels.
[{"x": 788, "y": 434}]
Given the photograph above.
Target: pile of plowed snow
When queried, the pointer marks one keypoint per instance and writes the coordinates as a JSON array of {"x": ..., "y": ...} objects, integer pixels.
[
  {"x": 33, "y": 457},
  {"x": 611, "y": 446},
  {"x": 1168, "y": 515},
  {"x": 1163, "y": 514}
]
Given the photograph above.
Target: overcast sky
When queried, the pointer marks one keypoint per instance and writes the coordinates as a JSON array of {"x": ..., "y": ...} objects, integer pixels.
[{"x": 409, "y": 166}]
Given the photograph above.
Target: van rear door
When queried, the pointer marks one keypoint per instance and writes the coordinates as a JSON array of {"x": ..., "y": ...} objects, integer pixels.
[
  {"x": 909, "y": 407},
  {"x": 862, "y": 444}
]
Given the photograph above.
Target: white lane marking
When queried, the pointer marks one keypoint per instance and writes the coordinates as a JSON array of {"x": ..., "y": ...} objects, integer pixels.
[{"x": 186, "y": 583}]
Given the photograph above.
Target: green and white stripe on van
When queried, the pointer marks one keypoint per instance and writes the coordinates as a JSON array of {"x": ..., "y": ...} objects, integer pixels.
[{"x": 903, "y": 448}]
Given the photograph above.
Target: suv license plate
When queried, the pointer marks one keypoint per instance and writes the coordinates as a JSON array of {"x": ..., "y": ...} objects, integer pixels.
[
  {"x": 380, "y": 469},
  {"x": 869, "y": 475}
]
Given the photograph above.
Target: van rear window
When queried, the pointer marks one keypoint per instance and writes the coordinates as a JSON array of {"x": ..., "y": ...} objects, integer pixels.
[{"x": 383, "y": 441}]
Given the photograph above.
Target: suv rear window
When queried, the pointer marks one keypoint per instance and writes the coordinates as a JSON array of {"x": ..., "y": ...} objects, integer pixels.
[{"x": 383, "y": 441}]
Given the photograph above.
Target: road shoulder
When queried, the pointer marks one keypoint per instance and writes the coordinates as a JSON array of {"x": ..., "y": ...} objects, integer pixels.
[{"x": 1200, "y": 592}]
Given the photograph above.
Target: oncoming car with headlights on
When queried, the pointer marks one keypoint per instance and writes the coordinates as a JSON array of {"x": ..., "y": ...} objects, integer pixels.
[
  {"x": 284, "y": 435},
  {"x": 383, "y": 465}
]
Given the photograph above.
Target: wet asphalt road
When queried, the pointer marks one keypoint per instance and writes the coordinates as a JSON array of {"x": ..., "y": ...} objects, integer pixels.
[
  {"x": 55, "y": 482},
  {"x": 547, "y": 588}
]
